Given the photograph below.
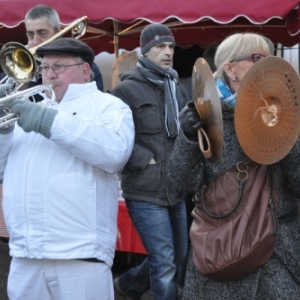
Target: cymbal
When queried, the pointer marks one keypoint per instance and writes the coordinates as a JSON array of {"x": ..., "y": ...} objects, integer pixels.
[
  {"x": 267, "y": 110},
  {"x": 208, "y": 105}
]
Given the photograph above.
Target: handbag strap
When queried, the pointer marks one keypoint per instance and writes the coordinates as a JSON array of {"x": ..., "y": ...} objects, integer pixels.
[
  {"x": 242, "y": 176},
  {"x": 241, "y": 181}
]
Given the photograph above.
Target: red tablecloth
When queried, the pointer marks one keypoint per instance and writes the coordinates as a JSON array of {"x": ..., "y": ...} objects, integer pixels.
[{"x": 128, "y": 239}]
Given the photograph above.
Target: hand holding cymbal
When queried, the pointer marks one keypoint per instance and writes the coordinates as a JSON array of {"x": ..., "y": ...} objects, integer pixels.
[{"x": 207, "y": 103}]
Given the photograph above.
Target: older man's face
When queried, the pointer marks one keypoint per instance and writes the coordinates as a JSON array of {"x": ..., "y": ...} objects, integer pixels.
[{"x": 63, "y": 70}]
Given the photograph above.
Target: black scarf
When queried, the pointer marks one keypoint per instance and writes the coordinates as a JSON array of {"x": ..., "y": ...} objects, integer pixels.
[{"x": 166, "y": 80}]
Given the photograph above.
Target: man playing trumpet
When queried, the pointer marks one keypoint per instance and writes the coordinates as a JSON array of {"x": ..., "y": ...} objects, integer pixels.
[{"x": 59, "y": 166}]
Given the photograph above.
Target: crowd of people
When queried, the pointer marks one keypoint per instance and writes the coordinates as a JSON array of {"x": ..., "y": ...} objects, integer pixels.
[{"x": 62, "y": 160}]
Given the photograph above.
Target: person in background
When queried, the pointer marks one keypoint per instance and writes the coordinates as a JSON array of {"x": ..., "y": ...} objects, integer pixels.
[
  {"x": 280, "y": 277},
  {"x": 59, "y": 166},
  {"x": 157, "y": 209},
  {"x": 42, "y": 23}
]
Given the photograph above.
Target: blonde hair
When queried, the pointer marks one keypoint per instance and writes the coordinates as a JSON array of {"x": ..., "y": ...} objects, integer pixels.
[{"x": 237, "y": 45}]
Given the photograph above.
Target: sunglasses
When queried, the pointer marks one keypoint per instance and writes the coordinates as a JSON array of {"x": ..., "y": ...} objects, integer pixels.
[{"x": 255, "y": 57}]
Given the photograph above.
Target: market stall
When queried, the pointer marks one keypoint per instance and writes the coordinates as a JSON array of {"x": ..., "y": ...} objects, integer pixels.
[{"x": 115, "y": 24}]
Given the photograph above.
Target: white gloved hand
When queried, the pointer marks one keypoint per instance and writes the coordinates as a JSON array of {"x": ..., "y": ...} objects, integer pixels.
[{"x": 32, "y": 116}]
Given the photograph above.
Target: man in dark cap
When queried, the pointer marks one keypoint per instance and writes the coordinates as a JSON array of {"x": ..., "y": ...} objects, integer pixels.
[
  {"x": 60, "y": 166},
  {"x": 157, "y": 210}
]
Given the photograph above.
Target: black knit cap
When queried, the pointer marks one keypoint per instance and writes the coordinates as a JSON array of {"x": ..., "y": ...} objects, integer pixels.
[
  {"x": 154, "y": 34},
  {"x": 68, "y": 46}
]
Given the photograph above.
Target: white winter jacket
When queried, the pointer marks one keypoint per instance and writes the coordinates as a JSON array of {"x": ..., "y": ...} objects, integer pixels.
[{"x": 60, "y": 195}]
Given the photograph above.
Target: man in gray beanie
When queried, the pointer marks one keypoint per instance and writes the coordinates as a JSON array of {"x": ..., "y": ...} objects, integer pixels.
[
  {"x": 154, "y": 94},
  {"x": 154, "y": 34}
]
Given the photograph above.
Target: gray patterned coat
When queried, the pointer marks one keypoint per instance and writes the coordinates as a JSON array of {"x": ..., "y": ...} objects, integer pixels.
[{"x": 279, "y": 279}]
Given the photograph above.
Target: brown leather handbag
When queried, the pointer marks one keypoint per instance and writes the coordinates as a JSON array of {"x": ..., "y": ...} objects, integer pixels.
[{"x": 234, "y": 229}]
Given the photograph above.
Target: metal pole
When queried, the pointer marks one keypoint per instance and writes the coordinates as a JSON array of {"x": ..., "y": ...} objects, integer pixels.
[{"x": 116, "y": 38}]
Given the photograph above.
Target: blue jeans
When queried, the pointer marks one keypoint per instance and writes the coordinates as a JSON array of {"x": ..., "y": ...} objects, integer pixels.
[{"x": 163, "y": 231}]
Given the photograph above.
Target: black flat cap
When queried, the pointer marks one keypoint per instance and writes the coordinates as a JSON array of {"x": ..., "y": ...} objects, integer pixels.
[{"x": 68, "y": 46}]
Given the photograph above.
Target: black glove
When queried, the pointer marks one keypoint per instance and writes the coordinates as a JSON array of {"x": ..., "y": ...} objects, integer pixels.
[{"x": 190, "y": 121}]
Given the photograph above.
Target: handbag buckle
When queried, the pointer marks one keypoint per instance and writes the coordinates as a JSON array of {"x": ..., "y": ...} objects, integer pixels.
[{"x": 242, "y": 171}]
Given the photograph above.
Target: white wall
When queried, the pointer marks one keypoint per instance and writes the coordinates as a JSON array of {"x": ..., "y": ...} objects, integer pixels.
[{"x": 105, "y": 62}]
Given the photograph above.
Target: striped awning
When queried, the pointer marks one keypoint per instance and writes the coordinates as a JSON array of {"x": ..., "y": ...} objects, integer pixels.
[{"x": 118, "y": 23}]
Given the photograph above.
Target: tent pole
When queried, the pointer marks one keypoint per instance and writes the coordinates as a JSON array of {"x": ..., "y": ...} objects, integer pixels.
[{"x": 116, "y": 38}]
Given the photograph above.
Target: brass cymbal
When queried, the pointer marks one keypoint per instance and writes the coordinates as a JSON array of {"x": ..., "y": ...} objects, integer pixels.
[
  {"x": 208, "y": 105},
  {"x": 267, "y": 110}
]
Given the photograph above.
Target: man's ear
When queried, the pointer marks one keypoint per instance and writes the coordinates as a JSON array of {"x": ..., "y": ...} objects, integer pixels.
[{"x": 87, "y": 72}]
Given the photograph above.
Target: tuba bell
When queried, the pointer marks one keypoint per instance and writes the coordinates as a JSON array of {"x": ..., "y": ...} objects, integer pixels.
[{"x": 17, "y": 62}]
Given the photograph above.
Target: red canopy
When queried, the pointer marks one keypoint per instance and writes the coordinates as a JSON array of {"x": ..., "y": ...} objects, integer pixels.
[{"x": 117, "y": 23}]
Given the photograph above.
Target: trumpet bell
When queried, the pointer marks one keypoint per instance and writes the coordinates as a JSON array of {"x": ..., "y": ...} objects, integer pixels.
[{"x": 18, "y": 62}]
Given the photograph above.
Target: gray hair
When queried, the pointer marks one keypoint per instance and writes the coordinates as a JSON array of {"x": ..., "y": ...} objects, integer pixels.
[
  {"x": 237, "y": 45},
  {"x": 44, "y": 11}
]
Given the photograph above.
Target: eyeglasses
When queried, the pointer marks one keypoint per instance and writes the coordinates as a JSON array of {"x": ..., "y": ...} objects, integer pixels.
[
  {"x": 255, "y": 57},
  {"x": 57, "y": 68}
]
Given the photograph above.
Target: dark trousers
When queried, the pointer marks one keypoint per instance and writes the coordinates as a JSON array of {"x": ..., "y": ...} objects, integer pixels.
[{"x": 4, "y": 267}]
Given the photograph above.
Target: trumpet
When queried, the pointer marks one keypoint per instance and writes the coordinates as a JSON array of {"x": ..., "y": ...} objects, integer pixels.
[
  {"x": 9, "y": 118},
  {"x": 19, "y": 62}
]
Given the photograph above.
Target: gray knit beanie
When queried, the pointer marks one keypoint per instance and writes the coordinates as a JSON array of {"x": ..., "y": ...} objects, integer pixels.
[{"x": 154, "y": 34}]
